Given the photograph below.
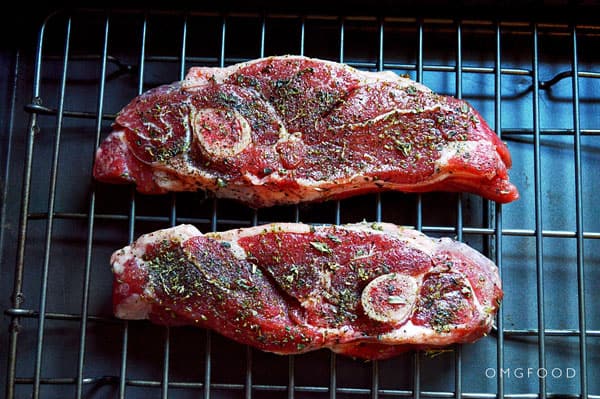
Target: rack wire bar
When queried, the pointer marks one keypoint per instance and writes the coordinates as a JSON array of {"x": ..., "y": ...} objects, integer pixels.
[
  {"x": 419, "y": 222},
  {"x": 459, "y": 210},
  {"x": 125, "y": 332},
  {"x": 291, "y": 391},
  {"x": 172, "y": 222},
  {"x": 248, "y": 385},
  {"x": 498, "y": 213},
  {"x": 375, "y": 364},
  {"x": 30, "y": 313},
  {"x": 543, "y": 84},
  {"x": 164, "y": 383},
  {"x": 50, "y": 224},
  {"x": 207, "y": 365},
  {"x": 132, "y": 212},
  {"x": 485, "y": 231},
  {"x": 539, "y": 254},
  {"x": 579, "y": 220},
  {"x": 208, "y": 335},
  {"x": 17, "y": 295},
  {"x": 380, "y": 67},
  {"x": 90, "y": 226},
  {"x": 214, "y": 226},
  {"x": 338, "y": 220}
]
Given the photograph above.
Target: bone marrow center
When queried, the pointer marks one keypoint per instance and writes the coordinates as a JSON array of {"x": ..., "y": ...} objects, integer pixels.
[
  {"x": 221, "y": 133},
  {"x": 390, "y": 298}
]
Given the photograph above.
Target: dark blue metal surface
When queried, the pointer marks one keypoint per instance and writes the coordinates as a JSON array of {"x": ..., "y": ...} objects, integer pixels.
[{"x": 537, "y": 84}]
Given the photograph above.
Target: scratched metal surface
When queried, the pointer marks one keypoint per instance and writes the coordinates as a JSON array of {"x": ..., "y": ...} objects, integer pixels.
[{"x": 546, "y": 243}]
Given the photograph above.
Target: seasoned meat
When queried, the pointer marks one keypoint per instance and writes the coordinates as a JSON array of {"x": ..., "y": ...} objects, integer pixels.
[
  {"x": 285, "y": 130},
  {"x": 364, "y": 290}
]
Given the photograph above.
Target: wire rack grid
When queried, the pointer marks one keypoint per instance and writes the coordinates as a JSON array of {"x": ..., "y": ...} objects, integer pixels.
[{"x": 116, "y": 55}]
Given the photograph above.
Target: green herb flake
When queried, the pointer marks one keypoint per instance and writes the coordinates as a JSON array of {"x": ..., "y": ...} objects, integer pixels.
[
  {"x": 335, "y": 239},
  {"x": 321, "y": 247},
  {"x": 431, "y": 353},
  {"x": 396, "y": 300},
  {"x": 405, "y": 148},
  {"x": 377, "y": 226},
  {"x": 333, "y": 266},
  {"x": 221, "y": 183},
  {"x": 243, "y": 283},
  {"x": 363, "y": 275}
]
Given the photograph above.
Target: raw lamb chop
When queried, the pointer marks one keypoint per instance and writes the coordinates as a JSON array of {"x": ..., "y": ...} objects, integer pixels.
[
  {"x": 369, "y": 291},
  {"x": 285, "y": 130}
]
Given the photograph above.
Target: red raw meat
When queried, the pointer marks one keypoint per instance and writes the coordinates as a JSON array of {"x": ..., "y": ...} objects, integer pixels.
[
  {"x": 363, "y": 290},
  {"x": 284, "y": 130}
]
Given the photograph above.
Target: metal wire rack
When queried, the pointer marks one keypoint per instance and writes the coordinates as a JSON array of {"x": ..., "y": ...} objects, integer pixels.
[{"x": 536, "y": 83}]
